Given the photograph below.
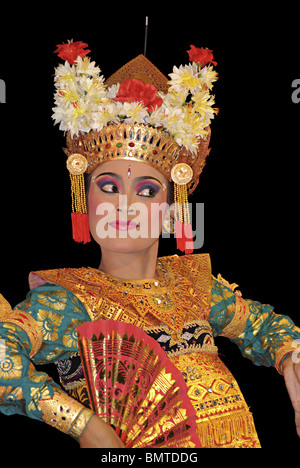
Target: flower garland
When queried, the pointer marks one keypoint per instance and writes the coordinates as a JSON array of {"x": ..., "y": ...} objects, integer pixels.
[{"x": 83, "y": 103}]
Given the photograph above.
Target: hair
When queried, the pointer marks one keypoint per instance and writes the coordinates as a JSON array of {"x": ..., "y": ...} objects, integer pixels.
[{"x": 87, "y": 184}]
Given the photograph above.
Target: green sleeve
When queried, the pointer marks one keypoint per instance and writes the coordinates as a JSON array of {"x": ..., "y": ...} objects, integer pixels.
[
  {"x": 58, "y": 313},
  {"x": 262, "y": 336},
  {"x": 267, "y": 337}
]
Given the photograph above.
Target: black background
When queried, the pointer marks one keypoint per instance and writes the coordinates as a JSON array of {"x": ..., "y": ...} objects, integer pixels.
[{"x": 249, "y": 186}]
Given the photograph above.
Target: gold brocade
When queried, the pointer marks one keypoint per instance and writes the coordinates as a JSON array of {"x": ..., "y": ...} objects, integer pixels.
[
  {"x": 65, "y": 414},
  {"x": 24, "y": 321},
  {"x": 223, "y": 417},
  {"x": 176, "y": 303},
  {"x": 238, "y": 322},
  {"x": 180, "y": 293}
]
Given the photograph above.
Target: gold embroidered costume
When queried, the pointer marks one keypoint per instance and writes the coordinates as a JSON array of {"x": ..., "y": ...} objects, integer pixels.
[
  {"x": 183, "y": 308},
  {"x": 174, "y": 309}
]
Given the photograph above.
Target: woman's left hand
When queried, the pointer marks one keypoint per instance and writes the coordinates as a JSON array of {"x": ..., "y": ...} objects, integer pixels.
[{"x": 291, "y": 372}]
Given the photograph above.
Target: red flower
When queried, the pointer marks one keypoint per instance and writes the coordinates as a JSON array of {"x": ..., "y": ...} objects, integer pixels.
[
  {"x": 71, "y": 51},
  {"x": 134, "y": 90},
  {"x": 202, "y": 56}
]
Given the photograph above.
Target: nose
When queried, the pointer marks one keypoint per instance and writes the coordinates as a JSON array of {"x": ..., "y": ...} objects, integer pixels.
[
  {"x": 123, "y": 210},
  {"x": 123, "y": 205}
]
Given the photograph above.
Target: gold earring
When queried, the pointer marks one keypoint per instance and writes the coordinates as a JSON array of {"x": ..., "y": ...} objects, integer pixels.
[{"x": 168, "y": 225}]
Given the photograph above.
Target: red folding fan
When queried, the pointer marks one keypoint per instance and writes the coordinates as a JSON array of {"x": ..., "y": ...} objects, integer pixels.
[{"x": 134, "y": 387}]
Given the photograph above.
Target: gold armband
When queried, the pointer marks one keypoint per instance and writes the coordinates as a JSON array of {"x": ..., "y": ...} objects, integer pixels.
[
  {"x": 238, "y": 322},
  {"x": 24, "y": 321},
  {"x": 291, "y": 348},
  {"x": 65, "y": 414}
]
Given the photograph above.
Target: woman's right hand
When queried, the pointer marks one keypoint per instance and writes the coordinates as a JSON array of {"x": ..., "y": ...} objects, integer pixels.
[{"x": 98, "y": 434}]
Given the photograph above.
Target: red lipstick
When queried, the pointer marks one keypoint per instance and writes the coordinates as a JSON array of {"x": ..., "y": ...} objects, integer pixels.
[{"x": 121, "y": 225}]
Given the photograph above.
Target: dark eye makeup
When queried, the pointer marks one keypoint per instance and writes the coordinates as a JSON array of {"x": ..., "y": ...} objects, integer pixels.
[
  {"x": 108, "y": 185},
  {"x": 145, "y": 188}
]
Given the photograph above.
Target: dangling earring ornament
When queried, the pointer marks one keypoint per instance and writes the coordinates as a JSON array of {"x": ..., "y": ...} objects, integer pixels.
[
  {"x": 168, "y": 225},
  {"x": 181, "y": 175},
  {"x": 77, "y": 165}
]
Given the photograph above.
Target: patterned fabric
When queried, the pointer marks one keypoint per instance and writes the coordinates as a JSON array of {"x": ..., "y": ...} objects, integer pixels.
[
  {"x": 23, "y": 389},
  {"x": 265, "y": 337},
  {"x": 184, "y": 309}
]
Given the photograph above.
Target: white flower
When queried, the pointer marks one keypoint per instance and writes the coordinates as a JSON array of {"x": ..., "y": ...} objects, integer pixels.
[
  {"x": 185, "y": 78},
  {"x": 58, "y": 114},
  {"x": 157, "y": 117},
  {"x": 203, "y": 103},
  {"x": 186, "y": 127},
  {"x": 93, "y": 90},
  {"x": 82, "y": 102},
  {"x": 113, "y": 91},
  {"x": 173, "y": 118},
  {"x": 80, "y": 89},
  {"x": 86, "y": 67},
  {"x": 68, "y": 94},
  {"x": 134, "y": 112},
  {"x": 209, "y": 76},
  {"x": 64, "y": 74},
  {"x": 191, "y": 142},
  {"x": 174, "y": 98},
  {"x": 105, "y": 114}
]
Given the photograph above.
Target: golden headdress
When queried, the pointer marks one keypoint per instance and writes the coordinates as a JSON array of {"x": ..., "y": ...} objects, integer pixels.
[{"x": 137, "y": 114}]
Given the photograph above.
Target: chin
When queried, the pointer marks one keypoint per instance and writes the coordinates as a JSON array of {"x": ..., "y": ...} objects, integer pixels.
[{"x": 128, "y": 245}]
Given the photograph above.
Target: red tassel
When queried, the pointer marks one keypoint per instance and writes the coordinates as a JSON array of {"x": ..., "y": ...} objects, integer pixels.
[
  {"x": 80, "y": 227},
  {"x": 179, "y": 235},
  {"x": 188, "y": 234},
  {"x": 184, "y": 236}
]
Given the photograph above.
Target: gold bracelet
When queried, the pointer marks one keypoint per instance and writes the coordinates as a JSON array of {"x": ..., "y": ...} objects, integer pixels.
[
  {"x": 23, "y": 320},
  {"x": 238, "y": 322},
  {"x": 289, "y": 347},
  {"x": 65, "y": 414}
]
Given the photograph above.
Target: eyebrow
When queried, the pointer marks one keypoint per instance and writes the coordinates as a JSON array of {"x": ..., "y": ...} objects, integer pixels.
[
  {"x": 137, "y": 179},
  {"x": 112, "y": 174}
]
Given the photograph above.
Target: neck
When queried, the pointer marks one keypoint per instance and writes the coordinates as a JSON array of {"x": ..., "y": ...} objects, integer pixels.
[{"x": 130, "y": 266}]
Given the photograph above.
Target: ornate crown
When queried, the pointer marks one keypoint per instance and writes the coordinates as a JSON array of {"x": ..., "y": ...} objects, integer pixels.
[{"x": 137, "y": 142}]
